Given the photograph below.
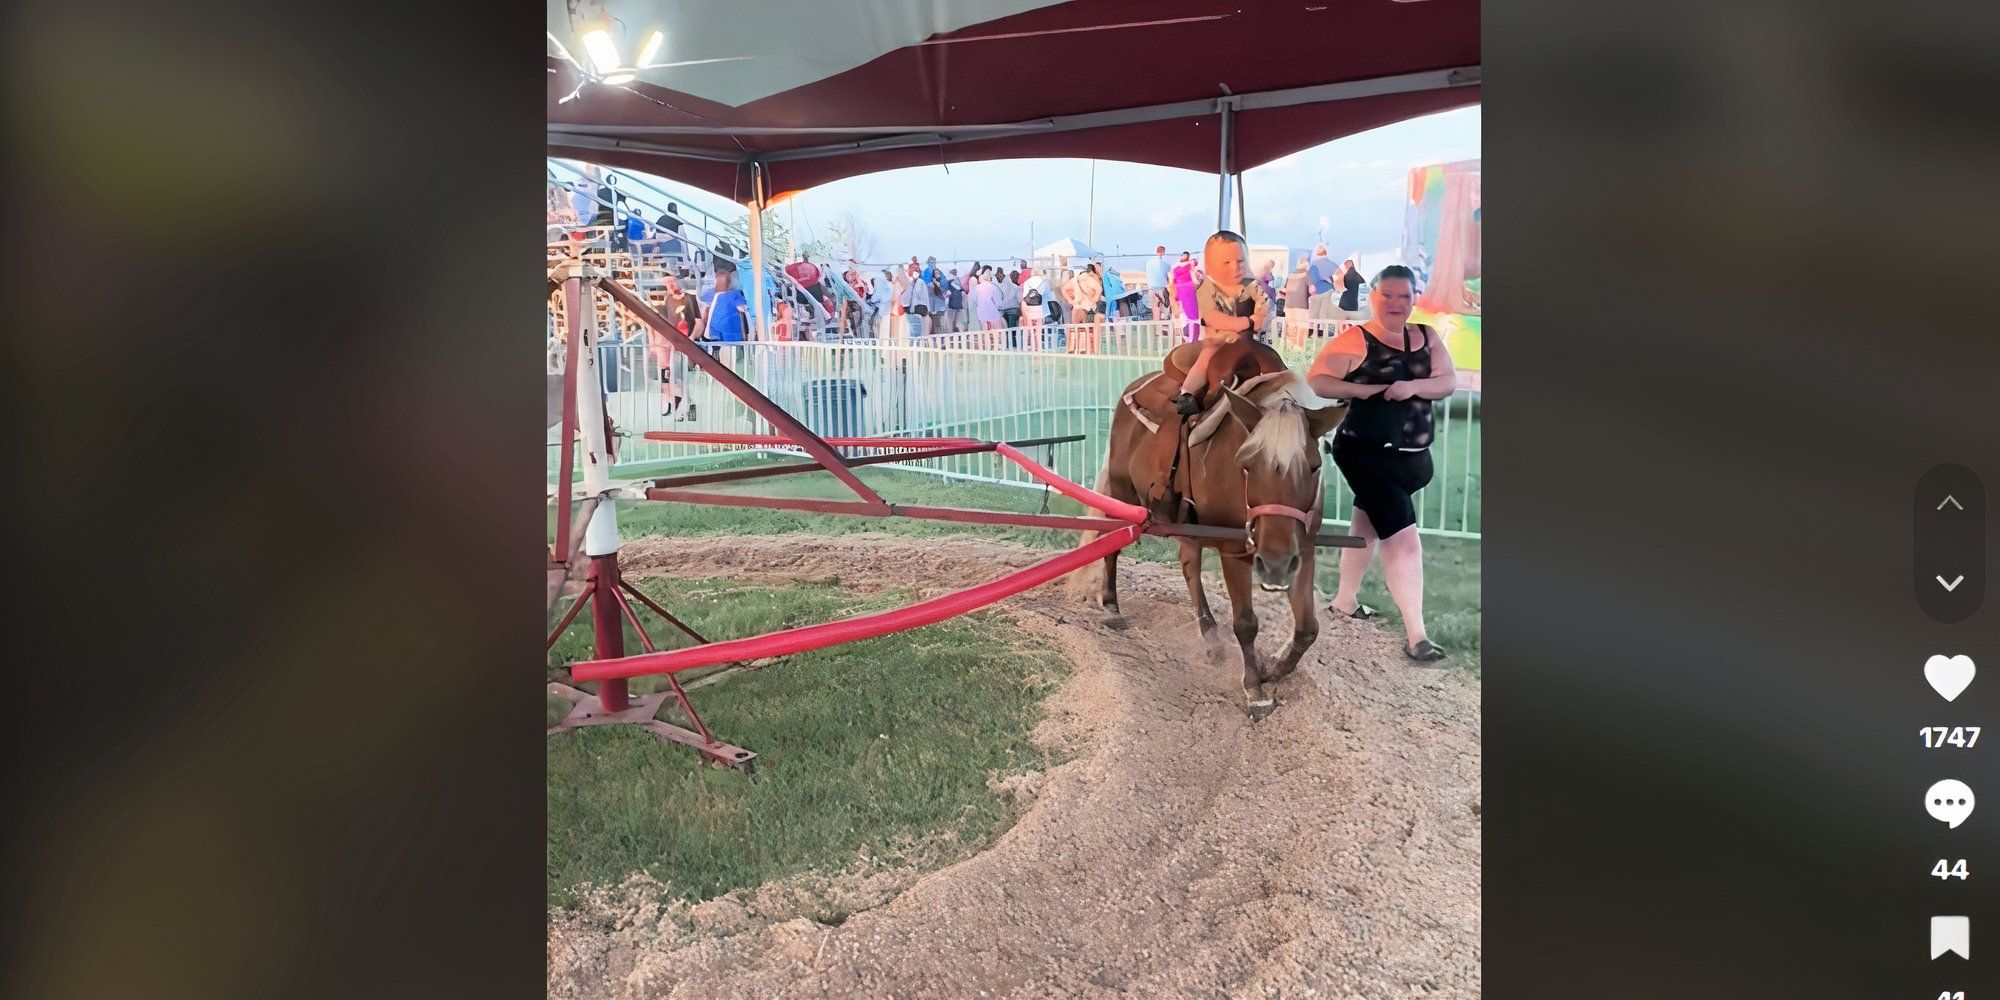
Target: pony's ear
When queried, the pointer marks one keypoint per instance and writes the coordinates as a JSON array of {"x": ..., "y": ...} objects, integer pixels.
[
  {"x": 1321, "y": 422},
  {"x": 1245, "y": 412}
]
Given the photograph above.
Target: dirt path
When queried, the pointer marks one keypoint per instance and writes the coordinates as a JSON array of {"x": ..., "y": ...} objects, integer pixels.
[{"x": 1330, "y": 850}]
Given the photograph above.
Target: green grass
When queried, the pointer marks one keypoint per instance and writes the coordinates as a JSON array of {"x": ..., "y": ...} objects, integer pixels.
[{"x": 883, "y": 746}]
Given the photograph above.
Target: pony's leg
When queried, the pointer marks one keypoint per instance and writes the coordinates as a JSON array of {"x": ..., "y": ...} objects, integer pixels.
[
  {"x": 1117, "y": 489},
  {"x": 1305, "y": 618},
  {"x": 1191, "y": 569},
  {"x": 1107, "y": 592},
  {"x": 1236, "y": 575}
]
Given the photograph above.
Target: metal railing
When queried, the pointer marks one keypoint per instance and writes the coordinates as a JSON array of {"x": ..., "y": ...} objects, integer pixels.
[
  {"x": 694, "y": 248},
  {"x": 868, "y": 388}
]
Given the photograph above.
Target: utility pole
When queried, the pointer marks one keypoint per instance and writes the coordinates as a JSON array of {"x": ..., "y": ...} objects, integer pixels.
[{"x": 1090, "y": 216}]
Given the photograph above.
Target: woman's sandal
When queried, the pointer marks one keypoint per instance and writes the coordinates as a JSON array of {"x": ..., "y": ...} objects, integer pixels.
[
  {"x": 1424, "y": 651},
  {"x": 1361, "y": 611}
]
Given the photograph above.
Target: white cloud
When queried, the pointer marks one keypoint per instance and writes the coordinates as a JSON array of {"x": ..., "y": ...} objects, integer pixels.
[{"x": 1167, "y": 218}]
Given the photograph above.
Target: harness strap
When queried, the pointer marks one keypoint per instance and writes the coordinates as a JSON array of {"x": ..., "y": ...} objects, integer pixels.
[{"x": 1305, "y": 519}]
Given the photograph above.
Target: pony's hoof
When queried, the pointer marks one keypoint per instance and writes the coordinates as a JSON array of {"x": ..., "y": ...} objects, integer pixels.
[{"x": 1259, "y": 708}]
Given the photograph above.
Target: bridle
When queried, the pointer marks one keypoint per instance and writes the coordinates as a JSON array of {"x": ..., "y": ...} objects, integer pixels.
[{"x": 1309, "y": 521}]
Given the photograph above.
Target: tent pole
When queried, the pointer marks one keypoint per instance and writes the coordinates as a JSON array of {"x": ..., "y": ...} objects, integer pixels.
[
  {"x": 758, "y": 307},
  {"x": 1222, "y": 172},
  {"x": 1242, "y": 214}
]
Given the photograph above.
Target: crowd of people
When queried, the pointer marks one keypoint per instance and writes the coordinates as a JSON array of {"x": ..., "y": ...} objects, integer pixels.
[
  {"x": 823, "y": 300},
  {"x": 921, "y": 298}
]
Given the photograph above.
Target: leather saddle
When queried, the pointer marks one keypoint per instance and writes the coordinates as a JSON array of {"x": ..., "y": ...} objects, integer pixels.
[{"x": 1160, "y": 470}]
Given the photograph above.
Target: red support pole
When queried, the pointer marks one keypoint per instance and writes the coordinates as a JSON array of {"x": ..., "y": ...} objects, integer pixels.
[
  {"x": 680, "y": 693},
  {"x": 576, "y": 606},
  {"x": 610, "y": 629}
]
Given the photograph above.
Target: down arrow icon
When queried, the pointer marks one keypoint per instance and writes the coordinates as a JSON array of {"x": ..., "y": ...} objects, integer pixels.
[{"x": 1953, "y": 585}]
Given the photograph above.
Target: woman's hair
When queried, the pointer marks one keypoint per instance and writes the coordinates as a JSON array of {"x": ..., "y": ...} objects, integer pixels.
[
  {"x": 1014, "y": 276},
  {"x": 1395, "y": 271}
]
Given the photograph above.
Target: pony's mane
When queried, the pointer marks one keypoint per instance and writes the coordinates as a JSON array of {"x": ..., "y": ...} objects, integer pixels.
[{"x": 1280, "y": 438}]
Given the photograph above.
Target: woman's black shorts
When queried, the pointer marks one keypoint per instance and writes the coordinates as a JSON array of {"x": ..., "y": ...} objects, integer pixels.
[{"x": 1382, "y": 480}]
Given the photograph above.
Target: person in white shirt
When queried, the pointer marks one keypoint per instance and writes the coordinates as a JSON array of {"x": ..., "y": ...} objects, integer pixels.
[
  {"x": 916, "y": 304},
  {"x": 1034, "y": 306},
  {"x": 882, "y": 297},
  {"x": 986, "y": 300}
]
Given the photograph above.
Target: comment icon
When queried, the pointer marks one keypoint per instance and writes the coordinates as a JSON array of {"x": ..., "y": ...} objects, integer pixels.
[{"x": 1949, "y": 802}]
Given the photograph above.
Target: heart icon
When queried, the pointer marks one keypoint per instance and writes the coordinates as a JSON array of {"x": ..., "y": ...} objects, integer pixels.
[{"x": 1949, "y": 675}]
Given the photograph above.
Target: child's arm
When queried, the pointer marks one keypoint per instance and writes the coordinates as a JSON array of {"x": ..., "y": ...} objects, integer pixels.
[{"x": 1215, "y": 321}]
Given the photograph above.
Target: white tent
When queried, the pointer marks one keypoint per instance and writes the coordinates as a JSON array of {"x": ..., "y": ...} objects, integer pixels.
[{"x": 1067, "y": 247}]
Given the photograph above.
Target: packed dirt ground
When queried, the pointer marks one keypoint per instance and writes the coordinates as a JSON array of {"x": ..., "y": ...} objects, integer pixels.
[{"x": 1182, "y": 850}]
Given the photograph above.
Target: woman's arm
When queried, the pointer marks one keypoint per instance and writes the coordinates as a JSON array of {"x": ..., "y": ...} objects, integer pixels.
[
  {"x": 1443, "y": 380},
  {"x": 1328, "y": 376}
]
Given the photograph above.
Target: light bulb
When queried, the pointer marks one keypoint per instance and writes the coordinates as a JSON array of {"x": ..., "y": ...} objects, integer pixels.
[
  {"x": 651, "y": 48},
  {"x": 598, "y": 43}
]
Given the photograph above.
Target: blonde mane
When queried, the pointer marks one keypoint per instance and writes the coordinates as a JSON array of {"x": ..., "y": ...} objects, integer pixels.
[{"x": 1282, "y": 436}]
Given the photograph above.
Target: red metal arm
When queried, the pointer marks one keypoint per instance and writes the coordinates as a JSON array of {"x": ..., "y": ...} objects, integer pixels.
[
  {"x": 799, "y": 640},
  {"x": 798, "y": 433}
]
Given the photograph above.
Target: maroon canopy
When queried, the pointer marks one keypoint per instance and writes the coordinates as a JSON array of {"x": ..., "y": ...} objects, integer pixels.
[{"x": 1150, "y": 81}]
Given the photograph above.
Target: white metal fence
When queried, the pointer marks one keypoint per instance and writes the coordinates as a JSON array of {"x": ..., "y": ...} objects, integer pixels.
[{"x": 1003, "y": 394}]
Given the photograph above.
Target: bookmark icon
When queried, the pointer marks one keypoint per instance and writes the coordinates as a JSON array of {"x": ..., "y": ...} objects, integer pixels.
[{"x": 1951, "y": 934}]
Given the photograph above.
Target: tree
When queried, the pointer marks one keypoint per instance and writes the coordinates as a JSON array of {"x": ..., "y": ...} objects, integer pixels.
[
  {"x": 779, "y": 247},
  {"x": 849, "y": 238}
]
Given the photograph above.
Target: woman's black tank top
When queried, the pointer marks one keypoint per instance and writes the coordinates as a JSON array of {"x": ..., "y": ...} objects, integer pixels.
[{"x": 1378, "y": 422}]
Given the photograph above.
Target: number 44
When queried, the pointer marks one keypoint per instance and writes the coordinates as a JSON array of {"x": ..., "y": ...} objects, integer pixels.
[{"x": 1947, "y": 869}]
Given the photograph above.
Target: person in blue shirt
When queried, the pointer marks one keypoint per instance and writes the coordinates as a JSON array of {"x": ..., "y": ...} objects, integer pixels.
[
  {"x": 728, "y": 313},
  {"x": 1156, "y": 284},
  {"x": 1321, "y": 273},
  {"x": 1114, "y": 289}
]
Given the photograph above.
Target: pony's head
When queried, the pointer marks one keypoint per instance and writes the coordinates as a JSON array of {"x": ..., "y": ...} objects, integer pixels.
[{"x": 1283, "y": 421}]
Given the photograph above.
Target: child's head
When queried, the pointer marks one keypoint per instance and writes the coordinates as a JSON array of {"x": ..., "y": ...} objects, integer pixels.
[{"x": 1226, "y": 258}]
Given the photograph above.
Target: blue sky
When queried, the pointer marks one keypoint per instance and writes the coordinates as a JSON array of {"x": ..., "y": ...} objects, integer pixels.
[{"x": 1353, "y": 187}]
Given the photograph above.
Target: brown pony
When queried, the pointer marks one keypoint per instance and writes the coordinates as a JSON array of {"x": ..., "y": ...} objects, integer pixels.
[{"x": 1258, "y": 469}]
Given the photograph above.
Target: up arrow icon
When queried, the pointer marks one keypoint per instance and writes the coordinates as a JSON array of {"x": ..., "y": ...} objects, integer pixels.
[{"x": 1948, "y": 498}]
